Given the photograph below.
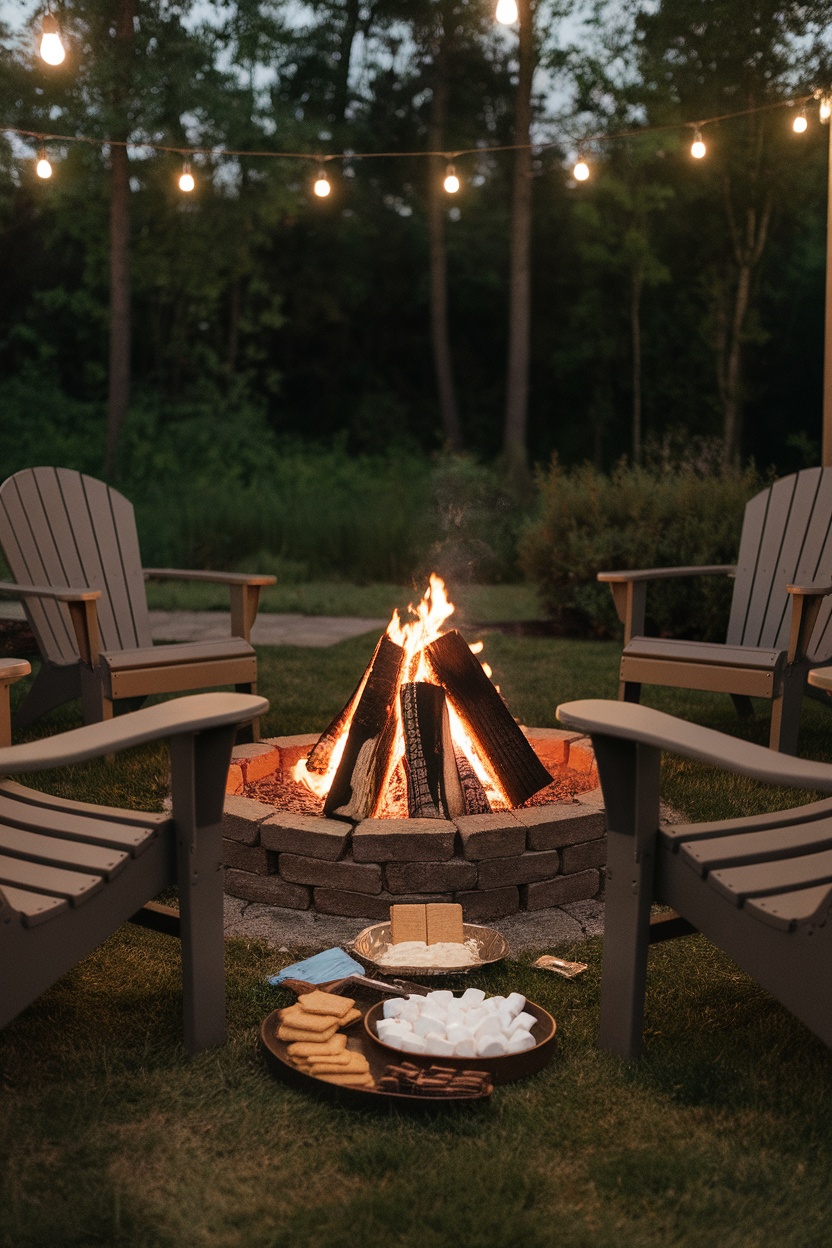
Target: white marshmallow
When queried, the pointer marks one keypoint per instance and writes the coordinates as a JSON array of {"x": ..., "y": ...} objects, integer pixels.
[
  {"x": 409, "y": 1010},
  {"x": 427, "y": 1025},
  {"x": 472, "y": 996},
  {"x": 492, "y": 1046},
  {"x": 488, "y": 1027},
  {"x": 519, "y": 1041},
  {"x": 465, "y": 1048},
  {"x": 438, "y": 1046},
  {"x": 456, "y": 1033},
  {"x": 410, "y": 1044},
  {"x": 515, "y": 1002},
  {"x": 506, "y": 1018},
  {"x": 393, "y": 1027},
  {"x": 440, "y": 996},
  {"x": 525, "y": 1021},
  {"x": 393, "y": 1007}
]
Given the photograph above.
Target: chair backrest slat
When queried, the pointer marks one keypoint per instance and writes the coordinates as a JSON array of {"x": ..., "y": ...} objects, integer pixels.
[
  {"x": 786, "y": 539},
  {"x": 79, "y": 532}
]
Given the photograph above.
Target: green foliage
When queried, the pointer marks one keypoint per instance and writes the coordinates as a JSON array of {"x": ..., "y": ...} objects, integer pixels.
[{"x": 665, "y": 515}]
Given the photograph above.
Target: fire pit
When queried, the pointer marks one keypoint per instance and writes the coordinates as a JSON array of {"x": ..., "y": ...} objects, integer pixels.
[{"x": 422, "y": 789}]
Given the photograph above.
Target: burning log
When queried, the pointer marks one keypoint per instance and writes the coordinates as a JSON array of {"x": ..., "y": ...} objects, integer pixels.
[
  {"x": 474, "y": 797},
  {"x": 486, "y": 717},
  {"x": 368, "y": 755},
  {"x": 319, "y": 759},
  {"x": 433, "y": 787}
]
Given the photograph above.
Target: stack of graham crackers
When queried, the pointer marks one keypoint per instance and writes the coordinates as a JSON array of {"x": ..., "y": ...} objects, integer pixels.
[
  {"x": 317, "y": 1046},
  {"x": 431, "y": 924}
]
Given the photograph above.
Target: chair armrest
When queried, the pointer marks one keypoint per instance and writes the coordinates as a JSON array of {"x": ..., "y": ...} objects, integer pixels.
[
  {"x": 61, "y": 593},
  {"x": 82, "y": 610},
  {"x": 217, "y": 578},
  {"x": 660, "y": 574},
  {"x": 178, "y": 717},
  {"x": 631, "y": 722},
  {"x": 629, "y": 591},
  {"x": 806, "y": 604},
  {"x": 245, "y": 592}
]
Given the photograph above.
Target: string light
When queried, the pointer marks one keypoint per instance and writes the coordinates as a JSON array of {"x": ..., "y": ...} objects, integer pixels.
[
  {"x": 43, "y": 168},
  {"x": 186, "y": 179},
  {"x": 322, "y": 185},
  {"x": 507, "y": 13},
  {"x": 581, "y": 171},
  {"x": 697, "y": 147},
  {"x": 800, "y": 122},
  {"x": 451, "y": 183},
  {"x": 825, "y": 109},
  {"x": 51, "y": 48}
]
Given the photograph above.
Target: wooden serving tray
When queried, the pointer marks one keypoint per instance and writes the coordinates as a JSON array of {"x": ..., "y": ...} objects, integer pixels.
[{"x": 379, "y": 1058}]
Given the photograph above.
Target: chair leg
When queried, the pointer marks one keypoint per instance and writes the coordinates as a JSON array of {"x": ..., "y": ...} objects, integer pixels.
[
  {"x": 743, "y": 705},
  {"x": 785, "y": 712},
  {"x": 196, "y": 763},
  {"x": 249, "y": 732},
  {"x": 630, "y": 780},
  {"x": 95, "y": 705}
]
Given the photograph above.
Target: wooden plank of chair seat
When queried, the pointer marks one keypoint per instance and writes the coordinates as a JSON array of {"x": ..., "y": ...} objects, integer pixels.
[
  {"x": 787, "y": 910},
  {"x": 180, "y": 652},
  {"x": 752, "y": 847},
  {"x": 34, "y": 907},
  {"x": 38, "y": 878},
  {"x": 673, "y": 835},
  {"x": 711, "y": 677},
  {"x": 767, "y": 878},
  {"x": 32, "y": 797},
  {"x": 74, "y": 827},
  {"x": 143, "y": 681},
  {"x": 667, "y": 648},
  {"x": 74, "y": 855}
]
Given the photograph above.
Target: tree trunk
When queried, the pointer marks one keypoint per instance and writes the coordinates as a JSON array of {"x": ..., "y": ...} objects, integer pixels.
[
  {"x": 749, "y": 245},
  {"x": 234, "y": 314},
  {"x": 515, "y": 449},
  {"x": 347, "y": 39},
  {"x": 449, "y": 411},
  {"x": 118, "y": 396},
  {"x": 635, "y": 326}
]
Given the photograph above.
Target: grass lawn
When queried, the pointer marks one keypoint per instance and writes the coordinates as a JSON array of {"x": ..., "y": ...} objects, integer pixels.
[{"x": 721, "y": 1135}]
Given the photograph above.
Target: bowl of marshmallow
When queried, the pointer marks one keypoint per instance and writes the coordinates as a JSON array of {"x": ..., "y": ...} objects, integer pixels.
[{"x": 509, "y": 1037}]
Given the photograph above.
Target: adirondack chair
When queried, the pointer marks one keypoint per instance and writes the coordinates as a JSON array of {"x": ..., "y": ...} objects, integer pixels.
[
  {"x": 785, "y": 557},
  {"x": 72, "y": 873},
  {"x": 72, "y": 547},
  {"x": 760, "y": 888}
]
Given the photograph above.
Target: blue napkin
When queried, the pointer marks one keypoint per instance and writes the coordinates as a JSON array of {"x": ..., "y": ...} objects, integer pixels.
[{"x": 320, "y": 969}]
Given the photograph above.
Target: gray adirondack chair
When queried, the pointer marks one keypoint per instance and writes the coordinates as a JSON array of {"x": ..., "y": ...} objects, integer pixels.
[
  {"x": 779, "y": 626},
  {"x": 72, "y": 873},
  {"x": 760, "y": 887},
  {"x": 72, "y": 547}
]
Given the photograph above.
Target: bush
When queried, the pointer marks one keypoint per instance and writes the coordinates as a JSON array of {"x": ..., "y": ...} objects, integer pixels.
[{"x": 664, "y": 516}]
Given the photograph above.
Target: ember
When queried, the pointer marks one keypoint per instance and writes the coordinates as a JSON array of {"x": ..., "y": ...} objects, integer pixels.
[{"x": 425, "y": 731}]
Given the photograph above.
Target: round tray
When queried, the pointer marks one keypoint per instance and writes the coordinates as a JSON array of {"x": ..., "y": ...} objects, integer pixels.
[
  {"x": 491, "y": 947},
  {"x": 502, "y": 1069},
  {"x": 379, "y": 1058}
]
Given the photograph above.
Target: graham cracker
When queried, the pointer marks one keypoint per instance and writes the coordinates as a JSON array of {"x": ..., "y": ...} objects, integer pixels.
[
  {"x": 407, "y": 922},
  {"x": 327, "y": 1003},
  {"x": 308, "y": 1048},
  {"x": 444, "y": 923},
  {"x": 297, "y": 1016},
  {"x": 286, "y": 1032},
  {"x": 349, "y": 1080}
]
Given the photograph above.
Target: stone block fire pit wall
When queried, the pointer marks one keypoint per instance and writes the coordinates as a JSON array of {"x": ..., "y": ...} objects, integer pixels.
[{"x": 494, "y": 864}]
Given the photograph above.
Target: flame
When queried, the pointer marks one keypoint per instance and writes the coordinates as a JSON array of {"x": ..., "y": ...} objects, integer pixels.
[{"x": 413, "y": 636}]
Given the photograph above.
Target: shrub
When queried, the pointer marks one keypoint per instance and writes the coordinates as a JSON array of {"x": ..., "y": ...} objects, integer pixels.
[{"x": 667, "y": 515}]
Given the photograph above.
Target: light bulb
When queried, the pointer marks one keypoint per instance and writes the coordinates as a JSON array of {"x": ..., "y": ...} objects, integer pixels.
[
  {"x": 51, "y": 48},
  {"x": 186, "y": 179},
  {"x": 506, "y": 13},
  {"x": 43, "y": 168},
  {"x": 581, "y": 171},
  {"x": 825, "y": 108},
  {"x": 322, "y": 185},
  {"x": 697, "y": 147},
  {"x": 451, "y": 183},
  {"x": 800, "y": 122}
]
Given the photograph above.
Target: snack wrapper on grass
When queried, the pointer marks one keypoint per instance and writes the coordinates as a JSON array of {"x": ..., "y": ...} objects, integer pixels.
[{"x": 557, "y": 965}]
